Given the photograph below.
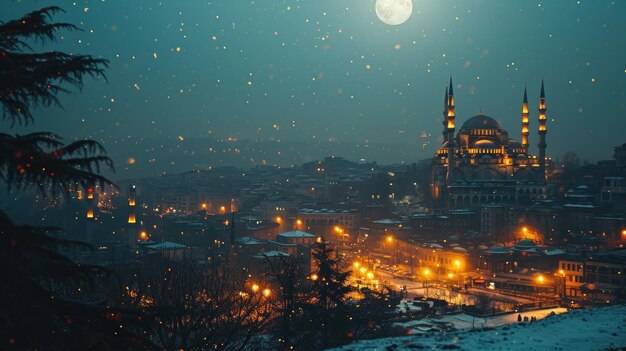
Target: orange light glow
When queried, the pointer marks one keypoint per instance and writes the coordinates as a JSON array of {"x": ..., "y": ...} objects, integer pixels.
[
  {"x": 279, "y": 220},
  {"x": 131, "y": 202},
  {"x": 143, "y": 236},
  {"x": 204, "y": 206},
  {"x": 90, "y": 213},
  {"x": 79, "y": 194},
  {"x": 389, "y": 238},
  {"x": 255, "y": 287},
  {"x": 298, "y": 222},
  {"x": 314, "y": 277},
  {"x": 222, "y": 209},
  {"x": 131, "y": 218},
  {"x": 266, "y": 292}
]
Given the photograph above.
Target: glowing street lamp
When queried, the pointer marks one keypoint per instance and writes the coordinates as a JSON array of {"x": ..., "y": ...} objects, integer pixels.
[
  {"x": 266, "y": 292},
  {"x": 389, "y": 239},
  {"x": 314, "y": 277},
  {"x": 540, "y": 279},
  {"x": 255, "y": 287},
  {"x": 356, "y": 265}
]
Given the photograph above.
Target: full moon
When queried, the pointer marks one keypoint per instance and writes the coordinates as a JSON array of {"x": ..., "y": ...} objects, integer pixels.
[{"x": 394, "y": 12}]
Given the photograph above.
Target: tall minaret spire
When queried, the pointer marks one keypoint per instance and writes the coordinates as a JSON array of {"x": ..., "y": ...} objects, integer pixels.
[
  {"x": 525, "y": 121},
  {"x": 132, "y": 216},
  {"x": 450, "y": 127},
  {"x": 542, "y": 132},
  {"x": 445, "y": 116}
]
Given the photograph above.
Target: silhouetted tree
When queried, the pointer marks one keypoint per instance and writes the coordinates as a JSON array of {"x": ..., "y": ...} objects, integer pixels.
[
  {"x": 327, "y": 316},
  {"x": 372, "y": 313},
  {"x": 44, "y": 304},
  {"x": 195, "y": 307},
  {"x": 292, "y": 290}
]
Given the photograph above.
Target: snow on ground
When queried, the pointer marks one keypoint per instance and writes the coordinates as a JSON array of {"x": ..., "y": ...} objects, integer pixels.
[
  {"x": 589, "y": 329},
  {"x": 464, "y": 321}
]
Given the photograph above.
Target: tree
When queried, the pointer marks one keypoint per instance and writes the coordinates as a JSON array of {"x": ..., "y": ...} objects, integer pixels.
[
  {"x": 287, "y": 275},
  {"x": 44, "y": 304},
  {"x": 196, "y": 307},
  {"x": 327, "y": 315},
  {"x": 372, "y": 313}
]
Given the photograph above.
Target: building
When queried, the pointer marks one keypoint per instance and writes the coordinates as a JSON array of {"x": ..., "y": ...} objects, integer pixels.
[
  {"x": 482, "y": 164},
  {"x": 333, "y": 223},
  {"x": 524, "y": 255},
  {"x": 571, "y": 269}
]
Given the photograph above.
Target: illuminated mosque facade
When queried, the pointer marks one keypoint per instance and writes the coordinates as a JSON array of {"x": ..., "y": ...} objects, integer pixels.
[{"x": 487, "y": 166}]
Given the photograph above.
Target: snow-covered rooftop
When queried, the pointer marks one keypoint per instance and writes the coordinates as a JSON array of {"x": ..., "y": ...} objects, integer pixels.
[{"x": 296, "y": 234}]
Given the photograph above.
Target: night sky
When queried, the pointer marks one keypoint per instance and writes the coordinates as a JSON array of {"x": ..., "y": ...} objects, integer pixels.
[{"x": 330, "y": 72}]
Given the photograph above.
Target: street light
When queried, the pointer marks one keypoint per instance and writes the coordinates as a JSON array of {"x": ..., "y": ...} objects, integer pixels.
[{"x": 426, "y": 274}]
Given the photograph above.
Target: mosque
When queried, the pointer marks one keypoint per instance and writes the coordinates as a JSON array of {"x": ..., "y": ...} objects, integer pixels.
[{"x": 481, "y": 164}]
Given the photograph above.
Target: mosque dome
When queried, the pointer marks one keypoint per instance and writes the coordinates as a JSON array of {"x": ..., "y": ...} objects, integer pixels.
[{"x": 480, "y": 122}]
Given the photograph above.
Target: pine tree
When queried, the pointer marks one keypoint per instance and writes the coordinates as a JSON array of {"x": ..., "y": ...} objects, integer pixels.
[
  {"x": 44, "y": 304},
  {"x": 328, "y": 313}
]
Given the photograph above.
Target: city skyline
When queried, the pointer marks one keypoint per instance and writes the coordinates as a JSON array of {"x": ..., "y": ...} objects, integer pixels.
[{"x": 332, "y": 73}]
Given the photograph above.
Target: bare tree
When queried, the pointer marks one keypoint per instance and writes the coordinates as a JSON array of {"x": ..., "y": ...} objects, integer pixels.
[
  {"x": 196, "y": 307},
  {"x": 292, "y": 287}
]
